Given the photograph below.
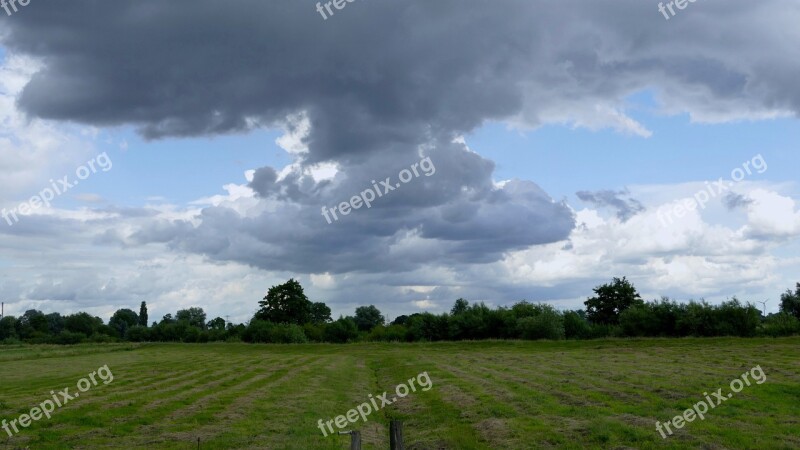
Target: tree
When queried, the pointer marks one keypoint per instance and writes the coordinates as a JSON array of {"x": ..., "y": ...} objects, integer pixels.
[
  {"x": 459, "y": 307},
  {"x": 320, "y": 313},
  {"x": 143, "y": 314},
  {"x": 611, "y": 300},
  {"x": 122, "y": 320},
  {"x": 472, "y": 323},
  {"x": 55, "y": 323},
  {"x": 195, "y": 317},
  {"x": 82, "y": 323},
  {"x": 285, "y": 303},
  {"x": 790, "y": 302},
  {"x": 368, "y": 317},
  {"x": 31, "y": 324},
  {"x": 217, "y": 324},
  {"x": 8, "y": 327},
  {"x": 400, "y": 320},
  {"x": 167, "y": 319}
]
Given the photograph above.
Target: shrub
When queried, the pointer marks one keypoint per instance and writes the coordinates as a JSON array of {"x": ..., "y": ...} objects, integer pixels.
[
  {"x": 782, "y": 324},
  {"x": 341, "y": 331},
  {"x": 576, "y": 326},
  {"x": 735, "y": 319},
  {"x": 69, "y": 338},
  {"x": 392, "y": 333},
  {"x": 138, "y": 334},
  {"x": 541, "y": 322},
  {"x": 696, "y": 319},
  {"x": 428, "y": 327},
  {"x": 284, "y": 333},
  {"x": 315, "y": 332},
  {"x": 601, "y": 330},
  {"x": 98, "y": 338}
]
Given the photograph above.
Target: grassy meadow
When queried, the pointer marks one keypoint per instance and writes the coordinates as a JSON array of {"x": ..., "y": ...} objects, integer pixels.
[{"x": 485, "y": 395}]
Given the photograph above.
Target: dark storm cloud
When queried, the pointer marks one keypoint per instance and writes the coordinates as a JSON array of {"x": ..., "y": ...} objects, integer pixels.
[
  {"x": 625, "y": 207},
  {"x": 382, "y": 83},
  {"x": 457, "y": 215},
  {"x": 379, "y": 72}
]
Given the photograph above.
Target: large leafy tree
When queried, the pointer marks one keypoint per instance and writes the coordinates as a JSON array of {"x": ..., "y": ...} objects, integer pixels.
[
  {"x": 82, "y": 323},
  {"x": 320, "y": 313},
  {"x": 195, "y": 317},
  {"x": 217, "y": 324},
  {"x": 285, "y": 303},
  {"x": 122, "y": 320},
  {"x": 31, "y": 323},
  {"x": 611, "y": 300},
  {"x": 790, "y": 302},
  {"x": 55, "y": 323},
  {"x": 368, "y": 317}
]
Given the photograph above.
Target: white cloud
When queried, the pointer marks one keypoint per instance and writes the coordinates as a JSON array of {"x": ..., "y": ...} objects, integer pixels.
[{"x": 771, "y": 215}]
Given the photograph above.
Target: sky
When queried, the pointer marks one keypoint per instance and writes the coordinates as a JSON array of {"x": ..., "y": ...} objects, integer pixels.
[{"x": 512, "y": 150}]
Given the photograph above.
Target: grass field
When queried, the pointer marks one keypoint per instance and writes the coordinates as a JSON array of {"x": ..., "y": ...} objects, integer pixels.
[{"x": 485, "y": 395}]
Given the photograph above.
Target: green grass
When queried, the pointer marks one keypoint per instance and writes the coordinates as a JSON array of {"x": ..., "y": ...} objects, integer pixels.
[{"x": 485, "y": 395}]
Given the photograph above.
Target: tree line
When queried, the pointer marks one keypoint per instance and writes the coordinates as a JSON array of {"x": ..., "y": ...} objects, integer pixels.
[{"x": 286, "y": 315}]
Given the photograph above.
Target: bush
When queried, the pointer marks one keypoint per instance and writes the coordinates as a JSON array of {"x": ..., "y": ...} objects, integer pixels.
[
  {"x": 98, "y": 338},
  {"x": 735, "y": 319},
  {"x": 696, "y": 319},
  {"x": 341, "y": 331},
  {"x": 472, "y": 323},
  {"x": 138, "y": 334},
  {"x": 428, "y": 327},
  {"x": 600, "y": 330},
  {"x": 392, "y": 333},
  {"x": 188, "y": 333},
  {"x": 782, "y": 324},
  {"x": 287, "y": 334},
  {"x": 576, "y": 326},
  {"x": 544, "y": 322},
  {"x": 271, "y": 333},
  {"x": 257, "y": 331},
  {"x": 215, "y": 335},
  {"x": 69, "y": 338},
  {"x": 315, "y": 332},
  {"x": 639, "y": 321}
]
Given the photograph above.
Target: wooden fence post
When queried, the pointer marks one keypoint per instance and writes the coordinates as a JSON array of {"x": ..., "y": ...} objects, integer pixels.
[
  {"x": 355, "y": 440},
  {"x": 396, "y": 435}
]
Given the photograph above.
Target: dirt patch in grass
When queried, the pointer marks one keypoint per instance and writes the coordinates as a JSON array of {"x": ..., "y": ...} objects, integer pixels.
[
  {"x": 495, "y": 431},
  {"x": 456, "y": 396},
  {"x": 435, "y": 445}
]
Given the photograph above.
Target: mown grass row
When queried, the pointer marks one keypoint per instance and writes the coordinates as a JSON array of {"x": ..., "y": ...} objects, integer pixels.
[{"x": 485, "y": 395}]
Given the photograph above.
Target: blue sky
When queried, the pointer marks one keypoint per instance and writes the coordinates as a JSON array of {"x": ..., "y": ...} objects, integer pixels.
[{"x": 679, "y": 151}]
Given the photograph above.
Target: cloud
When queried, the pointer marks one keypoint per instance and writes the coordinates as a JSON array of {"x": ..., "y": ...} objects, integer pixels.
[
  {"x": 379, "y": 86},
  {"x": 625, "y": 207},
  {"x": 772, "y": 216},
  {"x": 455, "y": 213},
  {"x": 360, "y": 97},
  {"x": 733, "y": 201},
  {"x": 391, "y": 72}
]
